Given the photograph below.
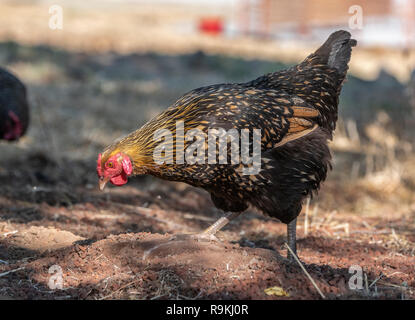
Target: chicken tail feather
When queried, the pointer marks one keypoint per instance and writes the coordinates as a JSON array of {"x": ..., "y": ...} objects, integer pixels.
[{"x": 336, "y": 51}]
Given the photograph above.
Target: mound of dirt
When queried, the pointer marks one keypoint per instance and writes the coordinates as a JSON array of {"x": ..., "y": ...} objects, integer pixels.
[
  {"x": 152, "y": 266},
  {"x": 42, "y": 239}
]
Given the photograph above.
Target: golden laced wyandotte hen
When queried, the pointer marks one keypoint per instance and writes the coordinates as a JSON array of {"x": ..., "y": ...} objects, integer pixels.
[
  {"x": 14, "y": 110},
  {"x": 296, "y": 111}
]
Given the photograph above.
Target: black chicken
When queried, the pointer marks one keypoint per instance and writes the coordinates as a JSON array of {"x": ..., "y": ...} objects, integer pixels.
[
  {"x": 14, "y": 109},
  {"x": 296, "y": 110}
]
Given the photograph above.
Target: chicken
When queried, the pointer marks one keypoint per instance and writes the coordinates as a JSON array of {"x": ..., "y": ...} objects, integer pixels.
[
  {"x": 295, "y": 111},
  {"x": 14, "y": 109}
]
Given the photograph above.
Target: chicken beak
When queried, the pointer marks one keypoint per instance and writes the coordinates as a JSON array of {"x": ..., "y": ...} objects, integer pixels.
[{"x": 102, "y": 182}]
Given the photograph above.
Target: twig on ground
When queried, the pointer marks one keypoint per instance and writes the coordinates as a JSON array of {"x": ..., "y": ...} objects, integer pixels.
[
  {"x": 10, "y": 271},
  {"x": 190, "y": 298},
  {"x": 123, "y": 287},
  {"x": 376, "y": 280},
  {"x": 196, "y": 217},
  {"x": 11, "y": 232},
  {"x": 305, "y": 271},
  {"x": 344, "y": 226}
]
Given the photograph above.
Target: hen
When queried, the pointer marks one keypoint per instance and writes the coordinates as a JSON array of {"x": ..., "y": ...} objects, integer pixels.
[{"x": 295, "y": 111}]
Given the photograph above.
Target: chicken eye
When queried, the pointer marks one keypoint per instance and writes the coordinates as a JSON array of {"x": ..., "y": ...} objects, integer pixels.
[{"x": 110, "y": 164}]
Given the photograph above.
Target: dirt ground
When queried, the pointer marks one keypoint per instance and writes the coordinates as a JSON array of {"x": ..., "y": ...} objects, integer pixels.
[
  {"x": 116, "y": 245},
  {"x": 55, "y": 223}
]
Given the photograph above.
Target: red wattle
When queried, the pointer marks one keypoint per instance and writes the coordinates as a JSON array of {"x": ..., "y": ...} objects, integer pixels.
[{"x": 120, "y": 179}]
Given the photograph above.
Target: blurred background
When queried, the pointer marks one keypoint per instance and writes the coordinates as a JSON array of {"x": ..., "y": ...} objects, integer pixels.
[
  {"x": 113, "y": 64},
  {"x": 110, "y": 65}
]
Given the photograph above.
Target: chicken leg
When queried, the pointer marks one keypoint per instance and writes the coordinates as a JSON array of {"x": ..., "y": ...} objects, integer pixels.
[
  {"x": 209, "y": 233},
  {"x": 220, "y": 223},
  {"x": 292, "y": 238}
]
